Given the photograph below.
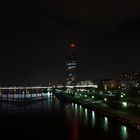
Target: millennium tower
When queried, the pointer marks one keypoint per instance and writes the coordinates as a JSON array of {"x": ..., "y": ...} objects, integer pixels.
[{"x": 71, "y": 65}]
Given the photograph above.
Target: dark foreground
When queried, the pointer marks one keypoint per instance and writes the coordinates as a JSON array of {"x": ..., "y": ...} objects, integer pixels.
[{"x": 52, "y": 119}]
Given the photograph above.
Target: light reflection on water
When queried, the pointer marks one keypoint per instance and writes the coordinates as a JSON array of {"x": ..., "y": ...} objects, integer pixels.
[
  {"x": 81, "y": 112},
  {"x": 88, "y": 118},
  {"x": 76, "y": 111},
  {"x": 77, "y": 116},
  {"x": 72, "y": 104},
  {"x": 123, "y": 132},
  {"x": 93, "y": 119},
  {"x": 76, "y": 107},
  {"x": 46, "y": 104},
  {"x": 105, "y": 123}
]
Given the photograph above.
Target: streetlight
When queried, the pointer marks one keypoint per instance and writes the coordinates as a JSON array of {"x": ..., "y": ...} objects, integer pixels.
[
  {"x": 121, "y": 96},
  {"x": 124, "y": 104}
]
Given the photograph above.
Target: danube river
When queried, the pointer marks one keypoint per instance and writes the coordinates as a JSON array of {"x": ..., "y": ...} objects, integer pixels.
[{"x": 54, "y": 119}]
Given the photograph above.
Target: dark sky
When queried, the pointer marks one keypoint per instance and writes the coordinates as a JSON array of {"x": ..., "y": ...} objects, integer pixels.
[{"x": 35, "y": 36}]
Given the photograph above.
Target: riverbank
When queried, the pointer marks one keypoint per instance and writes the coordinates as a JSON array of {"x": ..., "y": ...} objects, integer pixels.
[{"x": 123, "y": 116}]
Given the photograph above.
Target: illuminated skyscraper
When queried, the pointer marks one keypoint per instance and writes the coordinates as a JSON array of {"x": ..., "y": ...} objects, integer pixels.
[{"x": 71, "y": 66}]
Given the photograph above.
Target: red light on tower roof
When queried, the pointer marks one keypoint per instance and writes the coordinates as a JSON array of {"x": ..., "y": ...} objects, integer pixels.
[{"x": 73, "y": 45}]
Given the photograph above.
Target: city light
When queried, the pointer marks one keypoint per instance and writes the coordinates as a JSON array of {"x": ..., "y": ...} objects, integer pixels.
[
  {"x": 70, "y": 70},
  {"x": 93, "y": 119},
  {"x": 75, "y": 106},
  {"x": 73, "y": 45},
  {"x": 72, "y": 104},
  {"x": 124, "y": 104},
  {"x": 105, "y": 123},
  {"x": 124, "y": 133},
  {"x": 121, "y": 96}
]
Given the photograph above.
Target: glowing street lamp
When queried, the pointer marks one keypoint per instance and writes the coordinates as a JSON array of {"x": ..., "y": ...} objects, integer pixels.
[
  {"x": 121, "y": 96},
  {"x": 124, "y": 104},
  {"x": 92, "y": 97}
]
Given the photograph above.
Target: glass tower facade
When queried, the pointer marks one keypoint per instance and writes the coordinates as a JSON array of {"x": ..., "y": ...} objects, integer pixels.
[{"x": 71, "y": 66}]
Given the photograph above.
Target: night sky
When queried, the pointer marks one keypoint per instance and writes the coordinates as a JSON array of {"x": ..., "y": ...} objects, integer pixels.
[{"x": 35, "y": 36}]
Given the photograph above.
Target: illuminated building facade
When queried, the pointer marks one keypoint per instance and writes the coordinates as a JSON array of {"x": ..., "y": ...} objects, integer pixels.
[
  {"x": 129, "y": 80},
  {"x": 110, "y": 84},
  {"x": 71, "y": 66}
]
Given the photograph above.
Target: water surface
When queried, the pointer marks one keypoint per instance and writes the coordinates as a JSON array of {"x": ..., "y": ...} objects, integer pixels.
[{"x": 54, "y": 119}]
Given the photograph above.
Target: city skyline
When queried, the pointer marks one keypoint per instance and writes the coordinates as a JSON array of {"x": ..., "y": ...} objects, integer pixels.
[
  {"x": 69, "y": 69},
  {"x": 34, "y": 42}
]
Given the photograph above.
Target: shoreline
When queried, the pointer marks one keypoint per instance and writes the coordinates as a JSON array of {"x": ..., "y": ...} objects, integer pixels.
[{"x": 106, "y": 112}]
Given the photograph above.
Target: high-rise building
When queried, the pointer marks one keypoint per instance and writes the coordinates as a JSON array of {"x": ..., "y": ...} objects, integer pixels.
[{"x": 71, "y": 65}]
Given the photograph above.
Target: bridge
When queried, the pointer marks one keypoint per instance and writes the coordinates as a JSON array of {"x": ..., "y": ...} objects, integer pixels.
[
  {"x": 16, "y": 94},
  {"x": 83, "y": 86},
  {"x": 47, "y": 87},
  {"x": 16, "y": 88},
  {"x": 32, "y": 92}
]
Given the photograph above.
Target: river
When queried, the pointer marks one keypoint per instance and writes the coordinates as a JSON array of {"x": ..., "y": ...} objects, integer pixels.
[{"x": 54, "y": 119}]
